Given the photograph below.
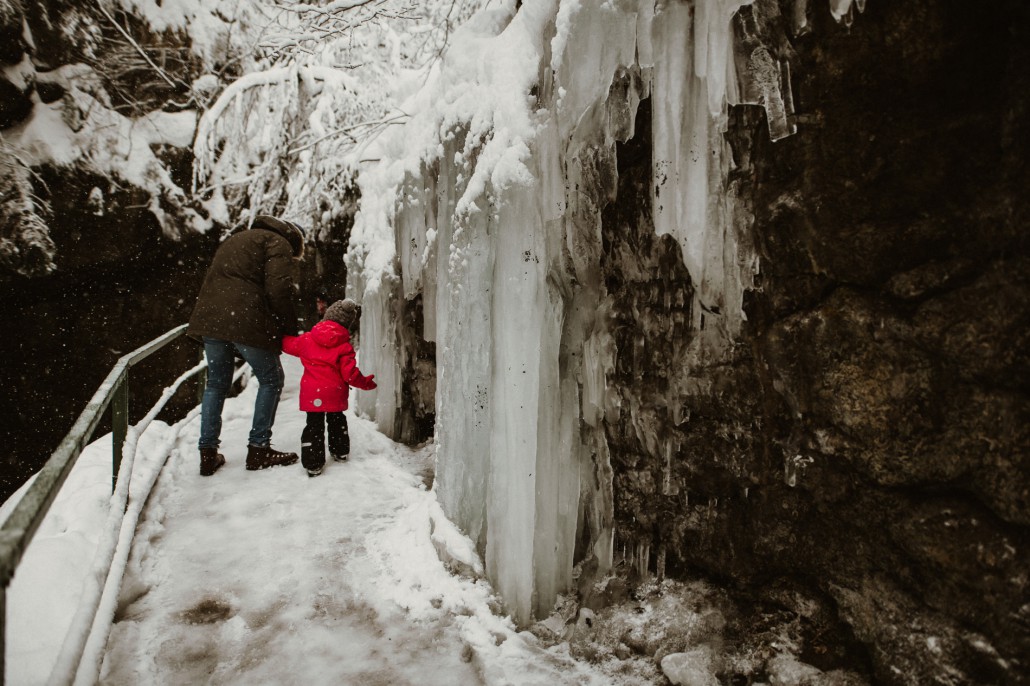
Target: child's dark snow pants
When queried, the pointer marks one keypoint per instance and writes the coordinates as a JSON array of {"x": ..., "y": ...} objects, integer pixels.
[{"x": 312, "y": 440}]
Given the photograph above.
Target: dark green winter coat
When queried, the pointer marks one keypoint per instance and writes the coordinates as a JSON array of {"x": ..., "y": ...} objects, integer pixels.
[{"x": 248, "y": 292}]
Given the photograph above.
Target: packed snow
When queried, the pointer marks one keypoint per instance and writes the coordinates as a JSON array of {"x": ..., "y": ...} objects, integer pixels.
[{"x": 354, "y": 576}]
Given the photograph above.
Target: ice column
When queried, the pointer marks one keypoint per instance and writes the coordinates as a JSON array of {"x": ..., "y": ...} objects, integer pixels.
[
  {"x": 372, "y": 279},
  {"x": 534, "y": 479},
  {"x": 464, "y": 353},
  {"x": 521, "y": 353},
  {"x": 558, "y": 463},
  {"x": 694, "y": 74},
  {"x": 378, "y": 351}
]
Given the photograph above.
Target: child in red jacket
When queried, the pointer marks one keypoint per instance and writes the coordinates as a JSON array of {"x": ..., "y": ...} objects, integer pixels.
[{"x": 329, "y": 371}]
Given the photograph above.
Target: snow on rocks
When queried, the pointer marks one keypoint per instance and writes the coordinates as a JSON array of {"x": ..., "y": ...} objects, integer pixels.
[{"x": 692, "y": 668}]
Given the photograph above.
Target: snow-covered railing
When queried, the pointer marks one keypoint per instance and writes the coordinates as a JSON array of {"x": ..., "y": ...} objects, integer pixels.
[{"x": 21, "y": 526}]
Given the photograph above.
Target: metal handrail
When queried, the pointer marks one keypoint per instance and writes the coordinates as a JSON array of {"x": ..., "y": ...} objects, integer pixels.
[{"x": 20, "y": 527}]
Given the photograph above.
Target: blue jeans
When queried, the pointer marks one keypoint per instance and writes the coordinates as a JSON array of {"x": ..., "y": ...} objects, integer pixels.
[{"x": 269, "y": 372}]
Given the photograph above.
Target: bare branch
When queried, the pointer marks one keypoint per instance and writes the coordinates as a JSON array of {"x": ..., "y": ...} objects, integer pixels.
[
  {"x": 288, "y": 138},
  {"x": 136, "y": 45},
  {"x": 374, "y": 125}
]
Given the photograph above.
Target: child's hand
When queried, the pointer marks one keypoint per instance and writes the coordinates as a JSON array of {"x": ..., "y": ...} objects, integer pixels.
[{"x": 370, "y": 383}]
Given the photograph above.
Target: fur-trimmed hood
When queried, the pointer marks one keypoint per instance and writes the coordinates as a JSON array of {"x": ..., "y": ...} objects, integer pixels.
[{"x": 287, "y": 229}]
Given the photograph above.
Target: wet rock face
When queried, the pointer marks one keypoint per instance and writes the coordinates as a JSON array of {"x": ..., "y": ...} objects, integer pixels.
[{"x": 866, "y": 438}]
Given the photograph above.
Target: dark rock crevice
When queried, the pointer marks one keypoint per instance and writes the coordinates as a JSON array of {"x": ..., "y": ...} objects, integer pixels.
[{"x": 417, "y": 414}]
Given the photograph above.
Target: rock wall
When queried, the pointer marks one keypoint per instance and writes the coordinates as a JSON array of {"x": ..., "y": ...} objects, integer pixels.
[{"x": 865, "y": 441}]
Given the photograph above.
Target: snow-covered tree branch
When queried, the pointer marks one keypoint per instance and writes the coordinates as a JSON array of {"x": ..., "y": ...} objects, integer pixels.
[
  {"x": 25, "y": 244},
  {"x": 320, "y": 80}
]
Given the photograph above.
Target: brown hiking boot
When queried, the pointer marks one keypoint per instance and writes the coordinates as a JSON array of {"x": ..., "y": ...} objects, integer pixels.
[
  {"x": 210, "y": 461},
  {"x": 263, "y": 457}
]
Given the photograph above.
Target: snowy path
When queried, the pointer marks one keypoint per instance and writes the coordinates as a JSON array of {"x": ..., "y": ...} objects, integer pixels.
[{"x": 273, "y": 577}]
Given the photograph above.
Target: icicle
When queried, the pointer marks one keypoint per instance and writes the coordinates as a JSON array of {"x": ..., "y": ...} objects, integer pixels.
[
  {"x": 410, "y": 232},
  {"x": 840, "y": 9},
  {"x": 691, "y": 159},
  {"x": 786, "y": 126},
  {"x": 95, "y": 201},
  {"x": 769, "y": 85},
  {"x": 597, "y": 357},
  {"x": 643, "y": 553},
  {"x": 800, "y": 18},
  {"x": 712, "y": 47}
]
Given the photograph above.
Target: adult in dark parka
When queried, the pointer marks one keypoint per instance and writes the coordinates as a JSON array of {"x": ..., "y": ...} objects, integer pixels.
[{"x": 245, "y": 307}]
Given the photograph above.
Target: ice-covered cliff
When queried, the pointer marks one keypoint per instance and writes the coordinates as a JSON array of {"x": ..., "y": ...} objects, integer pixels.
[
  {"x": 658, "y": 332},
  {"x": 487, "y": 211}
]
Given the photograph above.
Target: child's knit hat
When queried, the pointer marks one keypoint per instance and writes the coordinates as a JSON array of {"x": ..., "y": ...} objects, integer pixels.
[{"x": 346, "y": 313}]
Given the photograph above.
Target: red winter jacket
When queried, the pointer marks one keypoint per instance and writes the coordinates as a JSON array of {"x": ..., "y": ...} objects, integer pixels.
[{"x": 329, "y": 367}]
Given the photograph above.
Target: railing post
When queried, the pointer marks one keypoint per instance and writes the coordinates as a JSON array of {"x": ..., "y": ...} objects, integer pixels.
[{"x": 119, "y": 425}]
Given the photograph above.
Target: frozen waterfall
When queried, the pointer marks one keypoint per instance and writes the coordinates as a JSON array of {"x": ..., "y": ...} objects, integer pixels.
[{"x": 487, "y": 205}]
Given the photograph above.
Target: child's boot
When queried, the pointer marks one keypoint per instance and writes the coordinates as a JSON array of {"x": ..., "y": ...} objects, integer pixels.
[
  {"x": 339, "y": 437},
  {"x": 312, "y": 456}
]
